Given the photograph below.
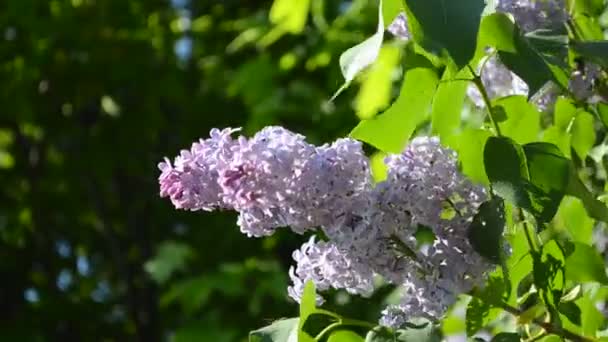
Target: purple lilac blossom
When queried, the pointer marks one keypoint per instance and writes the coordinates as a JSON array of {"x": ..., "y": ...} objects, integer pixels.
[
  {"x": 532, "y": 15},
  {"x": 276, "y": 179},
  {"x": 329, "y": 267},
  {"x": 499, "y": 81},
  {"x": 399, "y": 28},
  {"x": 191, "y": 180},
  {"x": 582, "y": 82}
]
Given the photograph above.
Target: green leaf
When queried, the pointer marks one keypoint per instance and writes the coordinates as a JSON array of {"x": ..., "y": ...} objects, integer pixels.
[
  {"x": 549, "y": 42},
  {"x": 309, "y": 299},
  {"x": 344, "y": 336},
  {"x": 505, "y": 165},
  {"x": 504, "y": 160},
  {"x": 375, "y": 92},
  {"x": 391, "y": 130},
  {"x": 448, "y": 102},
  {"x": 584, "y": 17},
  {"x": 285, "y": 330},
  {"x": 594, "y": 207},
  {"x": 550, "y": 172},
  {"x": 583, "y": 134},
  {"x": 519, "y": 263},
  {"x": 602, "y": 110},
  {"x": 572, "y": 217},
  {"x": 287, "y": 17},
  {"x": 571, "y": 311},
  {"x": 523, "y": 119},
  {"x": 485, "y": 232},
  {"x": 561, "y": 139},
  {"x": 290, "y": 16},
  {"x": 496, "y": 31},
  {"x": 549, "y": 274},
  {"x": 565, "y": 111},
  {"x": 506, "y": 337},
  {"x": 585, "y": 264},
  {"x": 530, "y": 65},
  {"x": 379, "y": 169},
  {"x": 380, "y": 334},
  {"x": 307, "y": 308},
  {"x": 572, "y": 295},
  {"x": 479, "y": 314},
  {"x": 495, "y": 289},
  {"x": 469, "y": 144},
  {"x": 390, "y": 10},
  {"x": 537, "y": 185},
  {"x": 551, "y": 338},
  {"x": 591, "y": 318},
  {"x": 597, "y": 51},
  {"x": 558, "y": 133},
  {"x": 424, "y": 333},
  {"x": 476, "y": 311},
  {"x": 446, "y": 27},
  {"x": 587, "y": 28},
  {"x": 588, "y": 7},
  {"x": 542, "y": 156},
  {"x": 362, "y": 55}
]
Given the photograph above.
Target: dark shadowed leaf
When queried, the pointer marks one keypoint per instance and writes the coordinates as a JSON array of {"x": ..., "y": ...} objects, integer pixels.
[
  {"x": 528, "y": 63},
  {"x": 504, "y": 160},
  {"x": 550, "y": 172},
  {"x": 506, "y": 337},
  {"x": 446, "y": 27},
  {"x": 485, "y": 232},
  {"x": 307, "y": 308},
  {"x": 549, "y": 274},
  {"x": 596, "y": 51},
  {"x": 571, "y": 311}
]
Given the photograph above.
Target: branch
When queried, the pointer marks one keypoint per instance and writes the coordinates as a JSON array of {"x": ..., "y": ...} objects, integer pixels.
[{"x": 486, "y": 99}]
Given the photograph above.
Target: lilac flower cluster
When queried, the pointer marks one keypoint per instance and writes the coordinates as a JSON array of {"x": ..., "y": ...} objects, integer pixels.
[
  {"x": 399, "y": 28},
  {"x": 533, "y": 15},
  {"x": 276, "y": 179},
  {"x": 583, "y": 83}
]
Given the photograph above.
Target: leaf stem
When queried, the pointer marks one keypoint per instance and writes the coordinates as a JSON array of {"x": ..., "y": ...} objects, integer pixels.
[
  {"x": 344, "y": 322},
  {"x": 486, "y": 99},
  {"x": 328, "y": 313},
  {"x": 531, "y": 242},
  {"x": 326, "y": 331}
]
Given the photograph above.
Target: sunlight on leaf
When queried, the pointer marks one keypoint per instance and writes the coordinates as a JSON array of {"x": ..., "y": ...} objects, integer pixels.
[{"x": 362, "y": 55}]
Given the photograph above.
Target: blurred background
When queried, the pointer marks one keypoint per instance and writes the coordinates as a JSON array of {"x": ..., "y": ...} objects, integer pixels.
[{"x": 93, "y": 94}]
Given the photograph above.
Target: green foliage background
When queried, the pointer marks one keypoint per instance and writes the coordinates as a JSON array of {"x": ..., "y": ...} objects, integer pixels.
[{"x": 93, "y": 96}]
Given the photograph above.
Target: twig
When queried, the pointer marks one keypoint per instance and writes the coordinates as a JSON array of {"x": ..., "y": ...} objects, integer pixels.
[{"x": 486, "y": 99}]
